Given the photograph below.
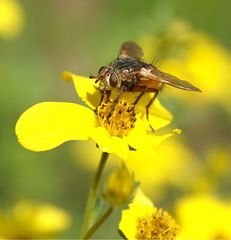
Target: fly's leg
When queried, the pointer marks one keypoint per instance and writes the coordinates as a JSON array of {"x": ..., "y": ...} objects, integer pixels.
[
  {"x": 108, "y": 94},
  {"x": 140, "y": 96},
  {"x": 102, "y": 96},
  {"x": 148, "y": 106},
  {"x": 103, "y": 93},
  {"x": 116, "y": 100}
]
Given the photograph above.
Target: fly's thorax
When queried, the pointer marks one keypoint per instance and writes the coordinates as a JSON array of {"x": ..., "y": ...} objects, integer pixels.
[
  {"x": 118, "y": 121},
  {"x": 126, "y": 68},
  {"x": 126, "y": 64}
]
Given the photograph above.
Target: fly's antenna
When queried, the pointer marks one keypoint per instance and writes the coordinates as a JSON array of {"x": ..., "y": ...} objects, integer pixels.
[{"x": 92, "y": 76}]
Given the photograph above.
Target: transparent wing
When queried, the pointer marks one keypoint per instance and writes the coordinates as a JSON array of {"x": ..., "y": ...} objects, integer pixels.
[
  {"x": 131, "y": 50},
  {"x": 176, "y": 82}
]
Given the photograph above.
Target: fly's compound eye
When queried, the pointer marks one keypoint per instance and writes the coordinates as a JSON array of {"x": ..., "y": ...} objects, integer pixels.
[{"x": 113, "y": 80}]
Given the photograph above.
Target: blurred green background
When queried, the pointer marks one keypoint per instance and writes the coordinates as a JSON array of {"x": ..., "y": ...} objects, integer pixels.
[{"x": 80, "y": 36}]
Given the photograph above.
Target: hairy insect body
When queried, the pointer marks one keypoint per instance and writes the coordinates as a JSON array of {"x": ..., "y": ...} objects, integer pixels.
[{"x": 129, "y": 73}]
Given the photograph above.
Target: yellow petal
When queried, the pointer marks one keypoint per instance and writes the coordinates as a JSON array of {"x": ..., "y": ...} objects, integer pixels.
[
  {"x": 85, "y": 88},
  {"x": 140, "y": 139},
  {"x": 110, "y": 144},
  {"x": 157, "y": 122},
  {"x": 141, "y": 199},
  {"x": 159, "y": 116},
  {"x": 49, "y": 124},
  {"x": 128, "y": 224}
]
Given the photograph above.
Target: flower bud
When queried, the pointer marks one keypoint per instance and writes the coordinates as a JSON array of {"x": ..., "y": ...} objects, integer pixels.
[{"x": 119, "y": 187}]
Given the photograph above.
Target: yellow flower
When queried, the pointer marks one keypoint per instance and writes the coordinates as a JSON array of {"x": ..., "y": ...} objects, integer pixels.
[
  {"x": 215, "y": 170},
  {"x": 204, "y": 217},
  {"x": 27, "y": 220},
  {"x": 46, "y": 125},
  {"x": 144, "y": 221},
  {"x": 11, "y": 19},
  {"x": 218, "y": 160}
]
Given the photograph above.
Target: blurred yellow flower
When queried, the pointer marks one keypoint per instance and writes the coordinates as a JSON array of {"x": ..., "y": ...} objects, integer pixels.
[
  {"x": 172, "y": 163},
  {"x": 27, "y": 220},
  {"x": 218, "y": 160},
  {"x": 144, "y": 221},
  {"x": 204, "y": 217},
  {"x": 193, "y": 56},
  {"x": 215, "y": 171},
  {"x": 49, "y": 124},
  {"x": 11, "y": 19}
]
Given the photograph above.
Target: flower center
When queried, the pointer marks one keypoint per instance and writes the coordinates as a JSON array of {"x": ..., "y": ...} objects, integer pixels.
[
  {"x": 158, "y": 226},
  {"x": 117, "y": 121}
]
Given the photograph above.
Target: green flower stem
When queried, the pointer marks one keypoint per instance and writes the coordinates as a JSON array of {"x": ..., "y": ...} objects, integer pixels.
[
  {"x": 93, "y": 194},
  {"x": 99, "y": 222}
]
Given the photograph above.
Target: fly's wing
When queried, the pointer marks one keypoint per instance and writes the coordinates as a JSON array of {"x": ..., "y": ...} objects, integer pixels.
[
  {"x": 151, "y": 77},
  {"x": 130, "y": 50},
  {"x": 176, "y": 82}
]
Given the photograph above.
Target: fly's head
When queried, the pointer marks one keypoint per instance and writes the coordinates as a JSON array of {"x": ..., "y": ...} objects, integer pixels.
[{"x": 108, "y": 78}]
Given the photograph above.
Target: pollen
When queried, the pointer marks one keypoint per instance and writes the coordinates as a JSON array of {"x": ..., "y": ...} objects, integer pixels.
[
  {"x": 118, "y": 119},
  {"x": 158, "y": 226}
]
